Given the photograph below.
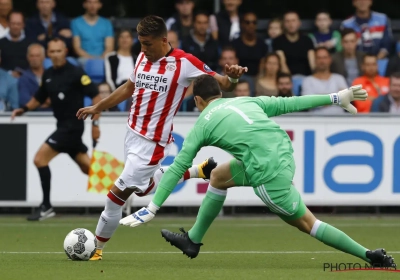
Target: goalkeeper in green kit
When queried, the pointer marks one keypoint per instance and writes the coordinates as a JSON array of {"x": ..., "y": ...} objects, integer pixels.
[{"x": 263, "y": 159}]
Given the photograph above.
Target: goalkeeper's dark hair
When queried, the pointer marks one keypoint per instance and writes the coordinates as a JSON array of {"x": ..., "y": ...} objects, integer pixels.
[
  {"x": 206, "y": 87},
  {"x": 152, "y": 26}
]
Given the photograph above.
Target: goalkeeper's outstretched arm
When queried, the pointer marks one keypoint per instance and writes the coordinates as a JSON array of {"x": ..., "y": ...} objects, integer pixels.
[{"x": 275, "y": 106}]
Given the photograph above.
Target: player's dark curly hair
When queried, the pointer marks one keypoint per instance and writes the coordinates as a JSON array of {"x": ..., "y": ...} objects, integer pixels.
[
  {"x": 152, "y": 26},
  {"x": 206, "y": 87}
]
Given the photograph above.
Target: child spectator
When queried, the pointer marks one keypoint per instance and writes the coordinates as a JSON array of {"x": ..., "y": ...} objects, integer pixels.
[
  {"x": 324, "y": 36},
  {"x": 274, "y": 30}
]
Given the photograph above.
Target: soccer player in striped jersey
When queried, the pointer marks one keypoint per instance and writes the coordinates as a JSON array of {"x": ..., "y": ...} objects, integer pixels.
[{"x": 159, "y": 83}]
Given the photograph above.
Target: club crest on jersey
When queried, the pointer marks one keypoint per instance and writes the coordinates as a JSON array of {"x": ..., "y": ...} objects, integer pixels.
[
  {"x": 206, "y": 68},
  {"x": 170, "y": 67}
]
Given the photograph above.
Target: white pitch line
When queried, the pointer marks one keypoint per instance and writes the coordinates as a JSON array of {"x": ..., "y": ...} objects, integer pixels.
[
  {"x": 189, "y": 225},
  {"x": 207, "y": 252}
]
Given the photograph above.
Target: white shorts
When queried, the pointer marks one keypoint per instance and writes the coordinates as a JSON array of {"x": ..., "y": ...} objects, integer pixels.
[{"x": 142, "y": 159}]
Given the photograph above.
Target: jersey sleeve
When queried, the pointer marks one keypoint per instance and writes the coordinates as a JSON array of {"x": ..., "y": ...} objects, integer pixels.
[
  {"x": 184, "y": 159},
  {"x": 275, "y": 106},
  {"x": 41, "y": 95},
  {"x": 86, "y": 85},
  {"x": 194, "y": 67}
]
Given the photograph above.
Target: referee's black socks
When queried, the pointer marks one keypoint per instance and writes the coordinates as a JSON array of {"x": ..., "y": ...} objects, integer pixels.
[{"x": 45, "y": 177}]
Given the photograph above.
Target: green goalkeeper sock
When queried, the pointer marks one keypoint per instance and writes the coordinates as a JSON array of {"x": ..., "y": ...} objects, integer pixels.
[
  {"x": 337, "y": 239},
  {"x": 209, "y": 210}
]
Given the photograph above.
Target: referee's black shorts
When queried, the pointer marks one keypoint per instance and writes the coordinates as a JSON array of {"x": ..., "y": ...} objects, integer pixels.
[{"x": 65, "y": 140}]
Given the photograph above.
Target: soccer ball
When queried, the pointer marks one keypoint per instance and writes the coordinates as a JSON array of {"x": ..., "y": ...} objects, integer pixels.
[{"x": 80, "y": 244}]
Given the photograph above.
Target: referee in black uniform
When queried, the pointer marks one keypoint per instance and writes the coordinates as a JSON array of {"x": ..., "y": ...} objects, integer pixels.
[{"x": 65, "y": 85}]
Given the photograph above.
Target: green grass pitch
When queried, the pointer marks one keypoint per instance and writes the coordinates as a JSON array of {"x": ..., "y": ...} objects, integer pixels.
[{"x": 234, "y": 248}]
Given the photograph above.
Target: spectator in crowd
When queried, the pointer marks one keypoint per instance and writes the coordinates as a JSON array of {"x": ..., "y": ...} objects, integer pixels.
[
  {"x": 105, "y": 91},
  {"x": 15, "y": 45},
  {"x": 8, "y": 91},
  {"x": 119, "y": 65},
  {"x": 5, "y": 8},
  {"x": 242, "y": 89},
  {"x": 30, "y": 80},
  {"x": 373, "y": 29},
  {"x": 225, "y": 25},
  {"x": 47, "y": 24},
  {"x": 389, "y": 103},
  {"x": 285, "y": 85},
  {"x": 274, "y": 30},
  {"x": 323, "y": 81},
  {"x": 374, "y": 84},
  {"x": 266, "y": 83},
  {"x": 348, "y": 62},
  {"x": 228, "y": 57},
  {"x": 173, "y": 39},
  {"x": 250, "y": 48},
  {"x": 324, "y": 36},
  {"x": 93, "y": 35},
  {"x": 200, "y": 43},
  {"x": 182, "y": 22},
  {"x": 295, "y": 50}
]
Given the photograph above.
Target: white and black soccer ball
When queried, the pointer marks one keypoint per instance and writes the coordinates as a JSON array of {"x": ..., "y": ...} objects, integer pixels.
[{"x": 80, "y": 244}]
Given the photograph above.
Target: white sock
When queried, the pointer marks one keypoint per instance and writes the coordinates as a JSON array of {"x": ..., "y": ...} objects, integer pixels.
[
  {"x": 193, "y": 173},
  {"x": 109, "y": 219},
  {"x": 315, "y": 227}
]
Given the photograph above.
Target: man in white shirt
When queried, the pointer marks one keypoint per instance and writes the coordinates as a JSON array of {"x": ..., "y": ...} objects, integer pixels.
[{"x": 323, "y": 81}]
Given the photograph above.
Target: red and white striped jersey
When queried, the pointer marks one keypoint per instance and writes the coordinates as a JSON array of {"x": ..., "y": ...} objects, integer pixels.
[{"x": 160, "y": 88}]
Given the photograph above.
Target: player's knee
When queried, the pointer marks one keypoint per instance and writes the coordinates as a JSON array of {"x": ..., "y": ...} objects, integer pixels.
[
  {"x": 39, "y": 161},
  {"x": 216, "y": 179},
  {"x": 84, "y": 168}
]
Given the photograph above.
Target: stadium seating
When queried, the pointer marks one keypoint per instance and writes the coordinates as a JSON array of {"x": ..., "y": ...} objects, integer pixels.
[
  {"x": 94, "y": 68},
  {"x": 297, "y": 81},
  {"x": 382, "y": 65}
]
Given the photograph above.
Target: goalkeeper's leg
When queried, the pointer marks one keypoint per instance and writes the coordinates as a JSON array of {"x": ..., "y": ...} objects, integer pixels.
[
  {"x": 283, "y": 199},
  {"x": 226, "y": 175}
]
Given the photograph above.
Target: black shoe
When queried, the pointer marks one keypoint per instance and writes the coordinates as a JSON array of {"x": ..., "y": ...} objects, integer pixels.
[
  {"x": 182, "y": 242},
  {"x": 206, "y": 167},
  {"x": 379, "y": 259},
  {"x": 44, "y": 212}
]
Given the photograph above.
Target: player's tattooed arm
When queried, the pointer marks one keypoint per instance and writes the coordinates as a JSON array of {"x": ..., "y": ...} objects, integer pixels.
[
  {"x": 120, "y": 94},
  {"x": 229, "y": 81}
]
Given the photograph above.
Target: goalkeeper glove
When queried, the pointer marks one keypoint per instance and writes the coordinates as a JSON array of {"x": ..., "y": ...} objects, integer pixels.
[
  {"x": 142, "y": 216},
  {"x": 345, "y": 97}
]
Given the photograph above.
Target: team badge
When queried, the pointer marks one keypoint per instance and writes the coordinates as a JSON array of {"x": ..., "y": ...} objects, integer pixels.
[
  {"x": 170, "y": 67},
  {"x": 61, "y": 96},
  {"x": 85, "y": 80},
  {"x": 206, "y": 68}
]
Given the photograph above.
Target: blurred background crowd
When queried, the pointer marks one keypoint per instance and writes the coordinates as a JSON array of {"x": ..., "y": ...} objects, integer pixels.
[{"x": 284, "y": 58}]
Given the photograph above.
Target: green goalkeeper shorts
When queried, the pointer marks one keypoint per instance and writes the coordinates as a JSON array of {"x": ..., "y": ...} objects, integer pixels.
[{"x": 279, "y": 194}]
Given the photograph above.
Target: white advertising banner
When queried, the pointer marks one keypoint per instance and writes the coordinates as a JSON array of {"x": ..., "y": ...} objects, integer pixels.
[{"x": 339, "y": 161}]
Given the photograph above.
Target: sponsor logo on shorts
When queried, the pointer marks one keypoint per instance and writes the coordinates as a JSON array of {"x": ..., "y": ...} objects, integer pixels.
[
  {"x": 61, "y": 96},
  {"x": 52, "y": 141},
  {"x": 295, "y": 205},
  {"x": 121, "y": 182}
]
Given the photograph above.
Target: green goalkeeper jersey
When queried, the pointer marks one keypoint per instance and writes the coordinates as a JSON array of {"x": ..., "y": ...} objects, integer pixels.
[{"x": 242, "y": 127}]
